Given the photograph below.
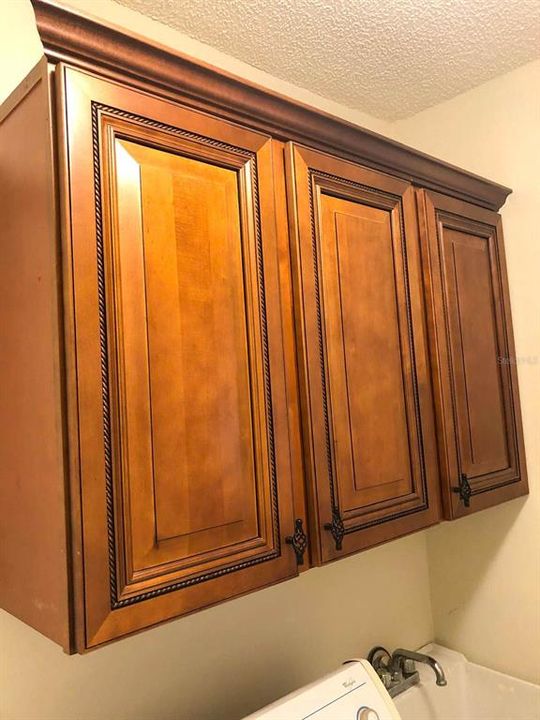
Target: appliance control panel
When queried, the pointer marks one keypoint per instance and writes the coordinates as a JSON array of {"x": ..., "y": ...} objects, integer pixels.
[{"x": 354, "y": 692}]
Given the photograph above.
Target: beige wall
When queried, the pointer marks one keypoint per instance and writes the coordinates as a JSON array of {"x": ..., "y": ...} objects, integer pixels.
[
  {"x": 227, "y": 661},
  {"x": 20, "y": 48},
  {"x": 224, "y": 662},
  {"x": 485, "y": 570}
]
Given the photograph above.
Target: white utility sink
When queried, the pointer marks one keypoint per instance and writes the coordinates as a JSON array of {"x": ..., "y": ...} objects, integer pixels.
[{"x": 473, "y": 692}]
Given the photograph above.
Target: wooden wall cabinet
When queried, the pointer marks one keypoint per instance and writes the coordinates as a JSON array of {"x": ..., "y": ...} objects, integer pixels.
[
  {"x": 179, "y": 355},
  {"x": 482, "y": 458},
  {"x": 177, "y": 425},
  {"x": 239, "y": 338},
  {"x": 365, "y": 371}
]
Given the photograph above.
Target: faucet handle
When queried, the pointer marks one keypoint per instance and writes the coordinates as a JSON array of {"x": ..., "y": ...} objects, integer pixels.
[
  {"x": 408, "y": 666},
  {"x": 379, "y": 657}
]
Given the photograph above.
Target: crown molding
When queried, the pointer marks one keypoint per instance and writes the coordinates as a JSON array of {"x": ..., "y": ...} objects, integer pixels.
[{"x": 72, "y": 37}]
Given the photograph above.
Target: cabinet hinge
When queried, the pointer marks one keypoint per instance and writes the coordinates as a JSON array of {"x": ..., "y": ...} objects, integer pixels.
[
  {"x": 298, "y": 541},
  {"x": 464, "y": 490},
  {"x": 337, "y": 528}
]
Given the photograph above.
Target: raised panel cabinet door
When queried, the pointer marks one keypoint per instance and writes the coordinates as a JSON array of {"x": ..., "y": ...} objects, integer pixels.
[
  {"x": 476, "y": 390},
  {"x": 369, "y": 437},
  {"x": 181, "y": 417}
]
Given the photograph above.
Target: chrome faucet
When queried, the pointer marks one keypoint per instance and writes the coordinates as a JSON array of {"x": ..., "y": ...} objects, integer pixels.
[
  {"x": 405, "y": 660},
  {"x": 398, "y": 671}
]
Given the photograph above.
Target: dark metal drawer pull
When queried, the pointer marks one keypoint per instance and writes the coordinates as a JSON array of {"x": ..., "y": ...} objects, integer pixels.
[
  {"x": 337, "y": 529},
  {"x": 464, "y": 490},
  {"x": 298, "y": 541}
]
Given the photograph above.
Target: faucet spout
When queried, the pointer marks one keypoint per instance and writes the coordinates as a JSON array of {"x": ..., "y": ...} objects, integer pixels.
[{"x": 400, "y": 656}]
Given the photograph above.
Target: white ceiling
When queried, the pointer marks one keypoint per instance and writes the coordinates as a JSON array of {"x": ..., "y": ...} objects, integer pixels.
[{"x": 389, "y": 58}]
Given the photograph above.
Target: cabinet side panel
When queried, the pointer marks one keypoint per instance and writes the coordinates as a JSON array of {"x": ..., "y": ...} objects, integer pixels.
[{"x": 33, "y": 562}]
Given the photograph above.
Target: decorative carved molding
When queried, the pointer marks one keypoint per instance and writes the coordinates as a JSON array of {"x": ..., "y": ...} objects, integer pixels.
[
  {"x": 69, "y": 36},
  {"x": 322, "y": 360},
  {"x": 115, "y": 585}
]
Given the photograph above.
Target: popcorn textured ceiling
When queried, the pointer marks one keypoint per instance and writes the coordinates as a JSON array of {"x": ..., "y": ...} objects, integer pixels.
[{"x": 389, "y": 58}]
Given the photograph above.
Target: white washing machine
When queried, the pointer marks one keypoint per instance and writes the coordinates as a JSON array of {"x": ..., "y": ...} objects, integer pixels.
[{"x": 354, "y": 692}]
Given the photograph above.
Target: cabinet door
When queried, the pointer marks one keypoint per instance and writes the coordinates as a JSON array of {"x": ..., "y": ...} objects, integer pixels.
[
  {"x": 182, "y": 421},
  {"x": 476, "y": 390},
  {"x": 369, "y": 432}
]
